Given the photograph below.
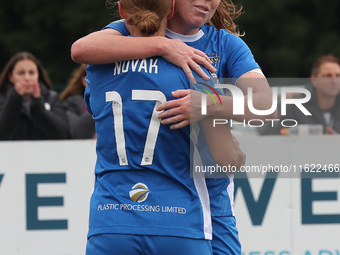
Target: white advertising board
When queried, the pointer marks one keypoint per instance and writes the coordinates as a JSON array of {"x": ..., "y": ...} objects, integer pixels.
[
  {"x": 297, "y": 215},
  {"x": 45, "y": 188}
]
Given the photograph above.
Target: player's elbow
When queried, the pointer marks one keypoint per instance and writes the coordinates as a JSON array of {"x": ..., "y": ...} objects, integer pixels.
[
  {"x": 234, "y": 161},
  {"x": 77, "y": 52},
  {"x": 226, "y": 162}
]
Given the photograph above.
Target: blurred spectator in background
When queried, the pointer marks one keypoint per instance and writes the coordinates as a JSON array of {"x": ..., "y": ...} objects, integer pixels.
[
  {"x": 81, "y": 124},
  {"x": 324, "y": 104},
  {"x": 29, "y": 108}
]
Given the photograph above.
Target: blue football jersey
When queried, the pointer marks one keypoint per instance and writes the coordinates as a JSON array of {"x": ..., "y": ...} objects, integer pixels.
[
  {"x": 229, "y": 53},
  {"x": 142, "y": 183},
  {"x": 232, "y": 58}
]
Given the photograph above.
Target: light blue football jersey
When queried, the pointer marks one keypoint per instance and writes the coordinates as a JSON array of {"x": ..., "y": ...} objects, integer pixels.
[
  {"x": 142, "y": 183},
  {"x": 232, "y": 58}
]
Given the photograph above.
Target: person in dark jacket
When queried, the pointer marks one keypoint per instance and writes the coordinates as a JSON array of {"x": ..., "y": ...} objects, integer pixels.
[
  {"x": 29, "y": 108},
  {"x": 324, "y": 104},
  {"x": 81, "y": 123}
]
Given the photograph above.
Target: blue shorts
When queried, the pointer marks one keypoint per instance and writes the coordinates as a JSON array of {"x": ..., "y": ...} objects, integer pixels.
[
  {"x": 225, "y": 236},
  {"x": 119, "y": 244}
]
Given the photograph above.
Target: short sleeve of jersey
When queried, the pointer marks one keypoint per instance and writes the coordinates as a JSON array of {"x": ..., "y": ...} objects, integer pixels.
[
  {"x": 231, "y": 55},
  {"x": 240, "y": 59},
  {"x": 118, "y": 25}
]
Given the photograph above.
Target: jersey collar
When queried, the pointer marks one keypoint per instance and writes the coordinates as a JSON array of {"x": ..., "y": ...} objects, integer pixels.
[{"x": 184, "y": 38}]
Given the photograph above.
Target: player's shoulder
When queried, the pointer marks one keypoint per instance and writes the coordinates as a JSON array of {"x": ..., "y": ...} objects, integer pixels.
[
  {"x": 221, "y": 35},
  {"x": 119, "y": 22},
  {"x": 211, "y": 30},
  {"x": 118, "y": 25},
  {"x": 230, "y": 37}
]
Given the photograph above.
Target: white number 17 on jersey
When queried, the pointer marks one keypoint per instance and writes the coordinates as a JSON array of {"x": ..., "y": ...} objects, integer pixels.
[{"x": 117, "y": 109}]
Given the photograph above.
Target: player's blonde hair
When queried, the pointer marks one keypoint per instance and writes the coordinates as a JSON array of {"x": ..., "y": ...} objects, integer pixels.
[
  {"x": 146, "y": 15},
  {"x": 225, "y": 15}
]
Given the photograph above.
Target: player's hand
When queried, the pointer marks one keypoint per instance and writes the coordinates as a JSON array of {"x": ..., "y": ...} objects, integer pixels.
[
  {"x": 182, "y": 111},
  {"x": 187, "y": 58}
]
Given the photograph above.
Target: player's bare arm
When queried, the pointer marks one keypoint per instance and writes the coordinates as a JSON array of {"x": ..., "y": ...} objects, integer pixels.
[
  {"x": 108, "y": 46},
  {"x": 223, "y": 146}
]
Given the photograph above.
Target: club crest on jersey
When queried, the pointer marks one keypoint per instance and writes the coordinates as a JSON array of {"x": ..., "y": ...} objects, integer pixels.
[
  {"x": 139, "y": 192},
  {"x": 214, "y": 58}
]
